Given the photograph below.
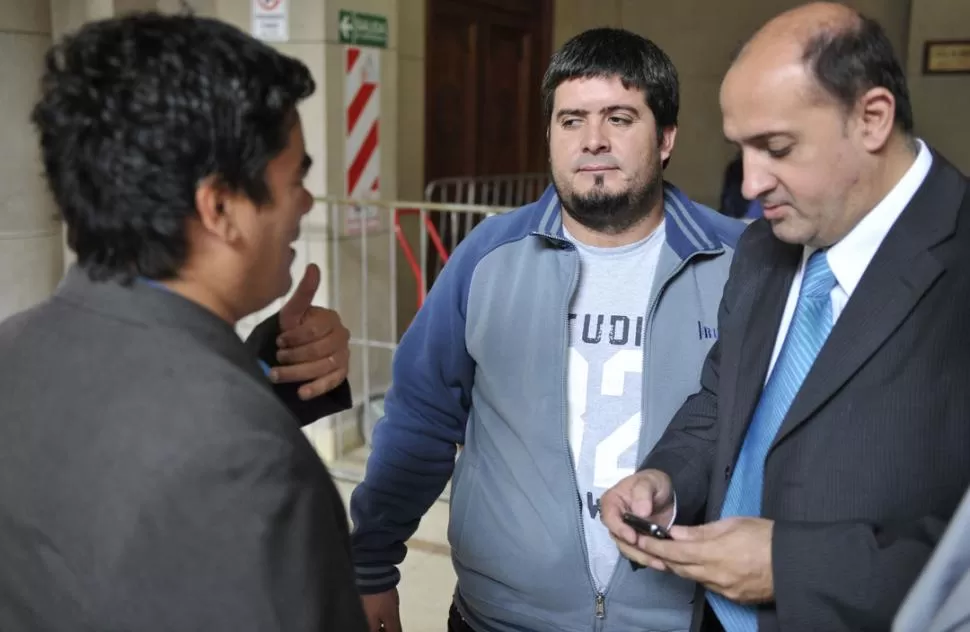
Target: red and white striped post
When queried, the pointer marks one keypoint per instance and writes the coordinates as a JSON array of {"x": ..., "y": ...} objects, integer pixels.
[{"x": 362, "y": 144}]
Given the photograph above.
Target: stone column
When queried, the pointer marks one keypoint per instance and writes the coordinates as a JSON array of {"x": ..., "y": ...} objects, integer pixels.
[{"x": 30, "y": 261}]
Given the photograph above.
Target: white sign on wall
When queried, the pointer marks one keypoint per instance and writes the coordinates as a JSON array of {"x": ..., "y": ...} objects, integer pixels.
[{"x": 271, "y": 20}]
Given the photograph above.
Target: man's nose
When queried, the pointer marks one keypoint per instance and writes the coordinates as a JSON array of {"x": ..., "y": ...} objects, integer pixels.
[
  {"x": 757, "y": 179},
  {"x": 595, "y": 140}
]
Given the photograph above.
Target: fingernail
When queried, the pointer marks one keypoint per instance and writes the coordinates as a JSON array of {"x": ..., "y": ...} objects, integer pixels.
[
  {"x": 274, "y": 375},
  {"x": 281, "y": 342}
]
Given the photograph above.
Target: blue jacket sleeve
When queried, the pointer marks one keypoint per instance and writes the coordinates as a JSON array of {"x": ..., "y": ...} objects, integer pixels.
[{"x": 414, "y": 444}]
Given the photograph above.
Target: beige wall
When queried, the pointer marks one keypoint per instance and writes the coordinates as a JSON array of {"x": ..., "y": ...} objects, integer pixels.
[
  {"x": 574, "y": 16},
  {"x": 941, "y": 104},
  {"x": 30, "y": 241}
]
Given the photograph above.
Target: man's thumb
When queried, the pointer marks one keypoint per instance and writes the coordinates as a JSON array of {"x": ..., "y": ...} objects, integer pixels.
[{"x": 292, "y": 312}]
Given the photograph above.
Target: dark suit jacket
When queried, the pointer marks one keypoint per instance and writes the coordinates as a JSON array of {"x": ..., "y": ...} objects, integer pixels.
[
  {"x": 152, "y": 481},
  {"x": 874, "y": 454}
]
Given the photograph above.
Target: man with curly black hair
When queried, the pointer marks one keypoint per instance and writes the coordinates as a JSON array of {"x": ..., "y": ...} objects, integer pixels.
[{"x": 151, "y": 478}]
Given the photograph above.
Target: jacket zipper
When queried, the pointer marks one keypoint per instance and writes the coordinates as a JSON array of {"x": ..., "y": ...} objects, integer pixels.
[
  {"x": 600, "y": 599},
  {"x": 648, "y": 329}
]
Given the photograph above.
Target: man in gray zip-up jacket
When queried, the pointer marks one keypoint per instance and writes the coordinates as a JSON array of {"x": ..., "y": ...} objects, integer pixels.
[{"x": 555, "y": 346}]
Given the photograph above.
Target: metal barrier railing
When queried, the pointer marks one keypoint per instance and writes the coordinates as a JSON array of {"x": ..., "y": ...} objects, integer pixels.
[
  {"x": 510, "y": 191},
  {"x": 501, "y": 190}
]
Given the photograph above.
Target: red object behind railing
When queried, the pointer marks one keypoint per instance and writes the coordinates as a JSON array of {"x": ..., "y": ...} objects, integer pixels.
[{"x": 409, "y": 252}]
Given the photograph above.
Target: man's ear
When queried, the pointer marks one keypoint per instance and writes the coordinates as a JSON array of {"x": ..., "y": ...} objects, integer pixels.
[
  {"x": 668, "y": 136},
  {"x": 213, "y": 203},
  {"x": 877, "y": 112}
]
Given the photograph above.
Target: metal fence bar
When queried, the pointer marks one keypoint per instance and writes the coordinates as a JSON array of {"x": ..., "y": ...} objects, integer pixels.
[
  {"x": 423, "y": 251},
  {"x": 506, "y": 191},
  {"x": 392, "y": 259},
  {"x": 386, "y": 206}
]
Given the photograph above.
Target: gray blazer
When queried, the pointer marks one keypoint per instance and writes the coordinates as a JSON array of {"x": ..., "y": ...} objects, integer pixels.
[
  {"x": 152, "y": 481},
  {"x": 940, "y": 599}
]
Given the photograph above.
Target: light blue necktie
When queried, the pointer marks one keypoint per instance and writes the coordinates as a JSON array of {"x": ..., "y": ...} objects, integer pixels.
[{"x": 810, "y": 326}]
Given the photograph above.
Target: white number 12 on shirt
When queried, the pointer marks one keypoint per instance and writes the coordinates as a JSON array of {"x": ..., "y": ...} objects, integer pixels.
[{"x": 607, "y": 471}]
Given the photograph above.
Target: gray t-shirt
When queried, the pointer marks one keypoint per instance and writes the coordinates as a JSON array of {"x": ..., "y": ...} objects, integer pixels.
[{"x": 606, "y": 326}]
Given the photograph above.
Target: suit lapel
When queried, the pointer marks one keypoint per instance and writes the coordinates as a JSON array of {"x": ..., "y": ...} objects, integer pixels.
[
  {"x": 767, "y": 305},
  {"x": 901, "y": 272}
]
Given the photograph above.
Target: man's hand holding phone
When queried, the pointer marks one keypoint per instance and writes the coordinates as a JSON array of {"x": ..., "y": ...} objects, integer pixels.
[
  {"x": 731, "y": 557},
  {"x": 638, "y": 508}
]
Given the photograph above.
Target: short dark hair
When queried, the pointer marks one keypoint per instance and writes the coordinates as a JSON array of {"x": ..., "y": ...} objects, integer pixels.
[
  {"x": 610, "y": 52},
  {"x": 848, "y": 62},
  {"x": 135, "y": 112}
]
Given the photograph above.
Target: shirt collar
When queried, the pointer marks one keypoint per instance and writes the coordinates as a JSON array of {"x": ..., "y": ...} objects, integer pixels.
[{"x": 850, "y": 257}]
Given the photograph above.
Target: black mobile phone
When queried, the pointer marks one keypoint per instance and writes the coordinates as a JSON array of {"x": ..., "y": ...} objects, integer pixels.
[{"x": 645, "y": 527}]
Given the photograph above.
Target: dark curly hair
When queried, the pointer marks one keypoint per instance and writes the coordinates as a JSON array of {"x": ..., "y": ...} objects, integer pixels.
[{"x": 135, "y": 112}]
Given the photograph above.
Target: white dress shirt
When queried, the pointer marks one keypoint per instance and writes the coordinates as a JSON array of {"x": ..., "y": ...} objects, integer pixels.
[{"x": 850, "y": 257}]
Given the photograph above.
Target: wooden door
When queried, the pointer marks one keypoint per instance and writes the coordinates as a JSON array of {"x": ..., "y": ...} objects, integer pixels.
[
  {"x": 484, "y": 65},
  {"x": 485, "y": 60}
]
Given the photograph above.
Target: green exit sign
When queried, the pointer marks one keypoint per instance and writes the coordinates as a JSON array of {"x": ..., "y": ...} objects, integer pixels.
[{"x": 362, "y": 29}]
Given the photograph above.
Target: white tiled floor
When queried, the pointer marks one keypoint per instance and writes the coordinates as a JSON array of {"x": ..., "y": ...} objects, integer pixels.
[{"x": 427, "y": 577}]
